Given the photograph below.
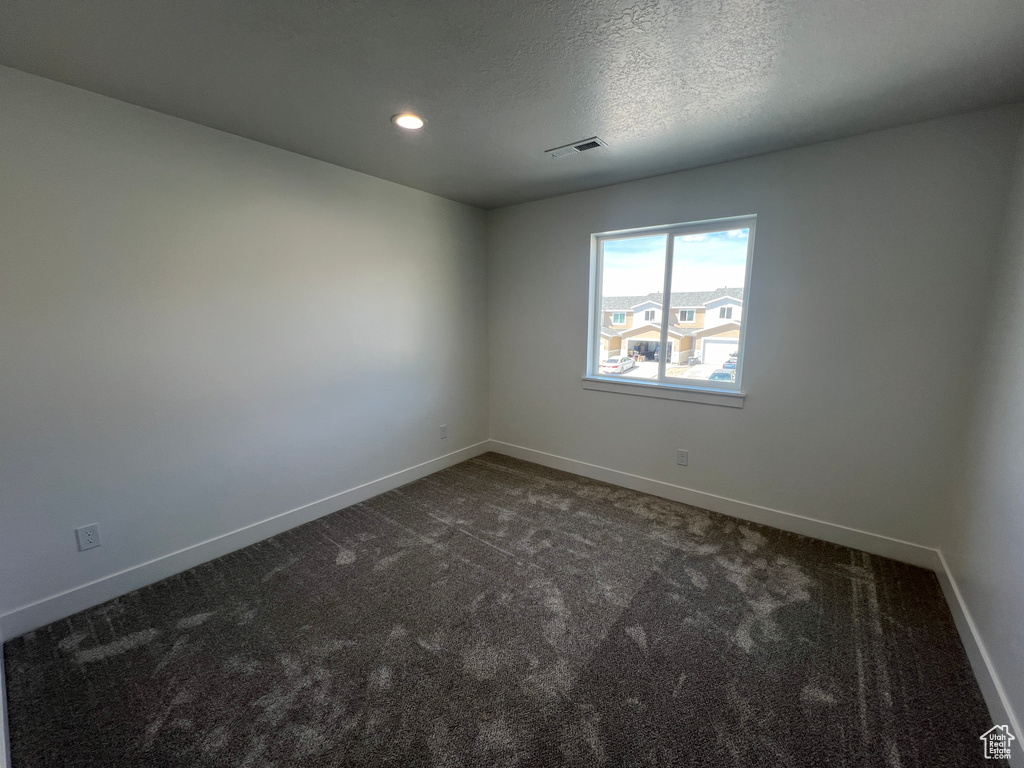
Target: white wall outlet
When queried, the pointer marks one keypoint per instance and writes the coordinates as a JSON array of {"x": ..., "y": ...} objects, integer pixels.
[
  {"x": 88, "y": 536},
  {"x": 444, "y": 431},
  {"x": 682, "y": 458}
]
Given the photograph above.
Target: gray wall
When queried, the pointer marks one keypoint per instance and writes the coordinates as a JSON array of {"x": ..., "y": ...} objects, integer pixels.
[
  {"x": 873, "y": 257},
  {"x": 198, "y": 332},
  {"x": 984, "y": 545}
]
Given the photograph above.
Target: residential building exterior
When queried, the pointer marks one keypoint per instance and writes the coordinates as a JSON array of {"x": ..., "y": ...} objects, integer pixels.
[{"x": 702, "y": 324}]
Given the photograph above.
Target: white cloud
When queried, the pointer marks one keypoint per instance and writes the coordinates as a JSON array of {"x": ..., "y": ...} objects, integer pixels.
[{"x": 708, "y": 278}]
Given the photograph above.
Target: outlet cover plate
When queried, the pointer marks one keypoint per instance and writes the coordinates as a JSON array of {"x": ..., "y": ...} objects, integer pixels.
[
  {"x": 88, "y": 536},
  {"x": 682, "y": 458}
]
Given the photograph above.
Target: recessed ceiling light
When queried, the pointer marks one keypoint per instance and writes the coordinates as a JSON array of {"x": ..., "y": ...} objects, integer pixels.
[{"x": 408, "y": 120}]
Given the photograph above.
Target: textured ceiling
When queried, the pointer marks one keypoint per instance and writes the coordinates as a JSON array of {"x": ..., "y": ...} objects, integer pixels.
[{"x": 668, "y": 84}]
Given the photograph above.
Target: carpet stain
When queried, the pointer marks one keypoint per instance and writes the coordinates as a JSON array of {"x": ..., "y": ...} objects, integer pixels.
[
  {"x": 71, "y": 642},
  {"x": 215, "y": 740},
  {"x": 638, "y": 636},
  {"x": 698, "y": 579},
  {"x": 191, "y": 622},
  {"x": 812, "y": 694},
  {"x": 386, "y": 562},
  {"x": 751, "y": 540},
  {"x": 481, "y": 662},
  {"x": 380, "y": 678},
  {"x": 678, "y": 690},
  {"x": 280, "y": 569},
  {"x": 345, "y": 556},
  {"x": 117, "y": 647}
]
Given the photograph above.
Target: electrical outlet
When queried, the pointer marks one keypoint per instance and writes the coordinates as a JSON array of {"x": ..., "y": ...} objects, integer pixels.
[
  {"x": 682, "y": 458},
  {"x": 88, "y": 536},
  {"x": 444, "y": 431}
]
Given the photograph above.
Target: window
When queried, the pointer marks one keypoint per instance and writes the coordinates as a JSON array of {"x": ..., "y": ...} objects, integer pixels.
[
  {"x": 697, "y": 264},
  {"x": 618, "y": 318}
]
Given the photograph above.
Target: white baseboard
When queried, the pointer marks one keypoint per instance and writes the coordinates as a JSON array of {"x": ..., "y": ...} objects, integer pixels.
[
  {"x": 992, "y": 689},
  {"x": 874, "y": 543},
  {"x": 885, "y": 546},
  {"x": 69, "y": 602},
  {"x": 5, "y": 740}
]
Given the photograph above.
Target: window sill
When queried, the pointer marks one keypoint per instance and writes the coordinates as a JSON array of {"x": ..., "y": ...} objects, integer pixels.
[{"x": 708, "y": 396}]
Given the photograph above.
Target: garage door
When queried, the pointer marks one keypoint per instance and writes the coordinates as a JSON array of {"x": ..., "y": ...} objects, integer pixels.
[{"x": 717, "y": 351}]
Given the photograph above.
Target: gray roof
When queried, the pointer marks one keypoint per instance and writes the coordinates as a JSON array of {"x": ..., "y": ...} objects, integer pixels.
[
  {"x": 683, "y": 332},
  {"x": 679, "y": 299},
  {"x": 674, "y": 330}
]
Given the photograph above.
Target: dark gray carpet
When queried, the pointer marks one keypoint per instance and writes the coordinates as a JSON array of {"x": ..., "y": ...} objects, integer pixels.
[{"x": 499, "y": 613}]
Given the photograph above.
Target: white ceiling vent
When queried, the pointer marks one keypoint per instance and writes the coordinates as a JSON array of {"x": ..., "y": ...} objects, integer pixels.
[{"x": 576, "y": 147}]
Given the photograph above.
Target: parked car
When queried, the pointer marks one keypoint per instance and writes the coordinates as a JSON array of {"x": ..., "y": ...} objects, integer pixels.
[
  {"x": 693, "y": 360},
  {"x": 730, "y": 364},
  {"x": 723, "y": 375},
  {"x": 617, "y": 364}
]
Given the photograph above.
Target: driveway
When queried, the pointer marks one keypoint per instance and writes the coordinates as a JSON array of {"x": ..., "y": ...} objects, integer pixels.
[
  {"x": 649, "y": 370},
  {"x": 645, "y": 370},
  {"x": 702, "y": 372}
]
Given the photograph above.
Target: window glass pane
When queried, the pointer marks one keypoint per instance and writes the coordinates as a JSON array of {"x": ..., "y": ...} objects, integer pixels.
[
  {"x": 632, "y": 277},
  {"x": 708, "y": 270}
]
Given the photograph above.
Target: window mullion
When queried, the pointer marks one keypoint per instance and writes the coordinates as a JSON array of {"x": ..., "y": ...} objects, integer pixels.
[
  {"x": 666, "y": 308},
  {"x": 596, "y": 321}
]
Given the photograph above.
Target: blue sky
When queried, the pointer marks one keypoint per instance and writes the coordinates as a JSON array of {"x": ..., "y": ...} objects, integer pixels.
[{"x": 636, "y": 265}]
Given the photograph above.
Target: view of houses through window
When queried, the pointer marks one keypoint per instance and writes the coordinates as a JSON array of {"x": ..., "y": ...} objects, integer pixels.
[{"x": 694, "y": 338}]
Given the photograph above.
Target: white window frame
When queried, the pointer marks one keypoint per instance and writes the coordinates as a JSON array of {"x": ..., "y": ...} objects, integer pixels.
[
  {"x": 725, "y": 313},
  {"x": 618, "y": 314},
  {"x": 716, "y": 393},
  {"x": 687, "y": 315},
  {"x": 653, "y": 315}
]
